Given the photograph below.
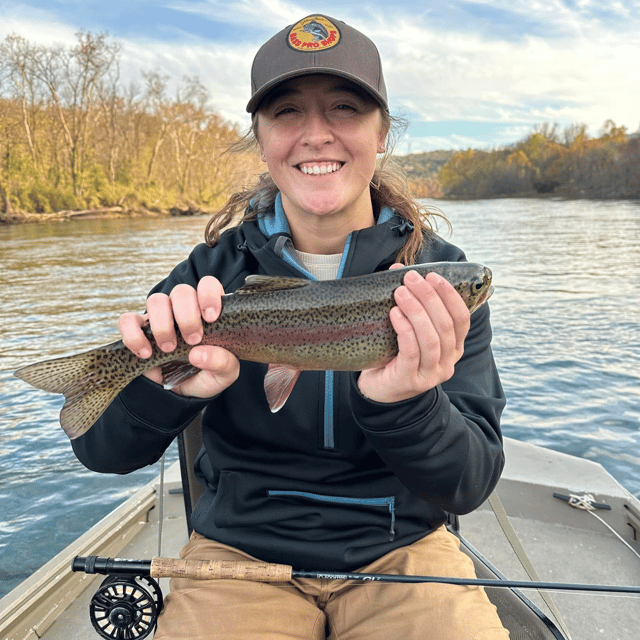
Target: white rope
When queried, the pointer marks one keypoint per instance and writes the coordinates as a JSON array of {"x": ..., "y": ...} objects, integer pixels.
[
  {"x": 585, "y": 502},
  {"x": 505, "y": 524}
]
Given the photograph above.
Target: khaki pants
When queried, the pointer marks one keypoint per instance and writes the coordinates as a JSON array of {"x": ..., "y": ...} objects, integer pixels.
[{"x": 313, "y": 609}]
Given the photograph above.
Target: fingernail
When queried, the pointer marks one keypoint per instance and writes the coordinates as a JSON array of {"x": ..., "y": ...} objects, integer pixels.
[
  {"x": 144, "y": 353},
  {"x": 194, "y": 338},
  {"x": 413, "y": 277},
  {"x": 167, "y": 346},
  {"x": 209, "y": 314}
]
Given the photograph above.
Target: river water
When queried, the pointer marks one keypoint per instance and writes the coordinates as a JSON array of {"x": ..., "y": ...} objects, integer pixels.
[{"x": 566, "y": 338}]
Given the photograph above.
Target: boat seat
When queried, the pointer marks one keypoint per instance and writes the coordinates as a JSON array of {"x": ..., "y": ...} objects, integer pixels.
[
  {"x": 518, "y": 614},
  {"x": 189, "y": 445}
]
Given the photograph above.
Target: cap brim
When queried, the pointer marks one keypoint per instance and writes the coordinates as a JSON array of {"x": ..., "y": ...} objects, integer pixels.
[{"x": 258, "y": 96}]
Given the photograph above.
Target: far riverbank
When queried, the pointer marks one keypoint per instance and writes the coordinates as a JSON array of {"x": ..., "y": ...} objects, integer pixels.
[{"x": 22, "y": 217}]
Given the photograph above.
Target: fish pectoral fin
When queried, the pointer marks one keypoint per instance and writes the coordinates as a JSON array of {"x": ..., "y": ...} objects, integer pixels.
[
  {"x": 263, "y": 284},
  {"x": 278, "y": 384},
  {"x": 176, "y": 372}
]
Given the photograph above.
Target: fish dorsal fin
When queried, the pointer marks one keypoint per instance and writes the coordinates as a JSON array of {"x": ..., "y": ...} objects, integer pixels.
[{"x": 264, "y": 284}]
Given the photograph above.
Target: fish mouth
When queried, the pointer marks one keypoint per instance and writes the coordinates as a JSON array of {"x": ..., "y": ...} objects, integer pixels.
[
  {"x": 319, "y": 168},
  {"x": 488, "y": 293},
  {"x": 483, "y": 298}
]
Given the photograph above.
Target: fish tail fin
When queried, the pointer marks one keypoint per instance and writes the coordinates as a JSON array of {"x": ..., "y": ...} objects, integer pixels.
[{"x": 89, "y": 382}]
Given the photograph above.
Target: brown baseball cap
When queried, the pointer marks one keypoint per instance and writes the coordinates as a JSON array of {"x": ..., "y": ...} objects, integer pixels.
[{"x": 317, "y": 44}]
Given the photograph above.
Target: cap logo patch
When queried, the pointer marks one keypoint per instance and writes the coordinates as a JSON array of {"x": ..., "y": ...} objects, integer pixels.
[{"x": 313, "y": 33}]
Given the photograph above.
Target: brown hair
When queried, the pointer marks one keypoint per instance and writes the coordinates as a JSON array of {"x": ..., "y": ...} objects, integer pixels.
[{"x": 388, "y": 187}]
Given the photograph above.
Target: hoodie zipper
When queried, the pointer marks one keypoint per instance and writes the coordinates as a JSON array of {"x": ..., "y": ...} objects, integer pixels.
[
  {"x": 270, "y": 225},
  {"x": 328, "y": 430},
  {"x": 388, "y": 502}
]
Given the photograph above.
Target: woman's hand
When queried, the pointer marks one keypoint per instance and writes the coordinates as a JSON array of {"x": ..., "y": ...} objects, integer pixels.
[
  {"x": 185, "y": 307},
  {"x": 431, "y": 321}
]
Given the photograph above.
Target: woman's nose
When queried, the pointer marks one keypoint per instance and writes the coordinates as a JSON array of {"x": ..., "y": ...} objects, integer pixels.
[{"x": 317, "y": 130}]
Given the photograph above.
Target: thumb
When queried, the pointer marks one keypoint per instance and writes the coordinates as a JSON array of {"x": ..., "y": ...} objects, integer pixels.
[{"x": 219, "y": 369}]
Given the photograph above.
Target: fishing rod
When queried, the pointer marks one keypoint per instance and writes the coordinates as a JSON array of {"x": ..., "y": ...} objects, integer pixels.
[
  {"x": 129, "y": 600},
  {"x": 271, "y": 572}
]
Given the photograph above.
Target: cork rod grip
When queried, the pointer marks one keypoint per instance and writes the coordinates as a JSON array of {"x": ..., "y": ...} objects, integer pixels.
[{"x": 220, "y": 570}]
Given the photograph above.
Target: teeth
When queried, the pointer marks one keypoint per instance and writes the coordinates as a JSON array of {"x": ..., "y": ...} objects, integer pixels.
[{"x": 318, "y": 169}]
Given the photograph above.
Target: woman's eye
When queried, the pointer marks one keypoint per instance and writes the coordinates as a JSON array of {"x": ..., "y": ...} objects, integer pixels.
[
  {"x": 346, "y": 107},
  {"x": 283, "y": 111}
]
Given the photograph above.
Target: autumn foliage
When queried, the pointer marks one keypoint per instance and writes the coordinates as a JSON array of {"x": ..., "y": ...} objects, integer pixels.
[
  {"x": 570, "y": 164},
  {"x": 72, "y": 137}
]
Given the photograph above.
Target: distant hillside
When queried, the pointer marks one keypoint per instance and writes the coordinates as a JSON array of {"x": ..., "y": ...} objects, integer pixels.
[
  {"x": 422, "y": 171},
  {"x": 549, "y": 161},
  {"x": 569, "y": 164},
  {"x": 424, "y": 165}
]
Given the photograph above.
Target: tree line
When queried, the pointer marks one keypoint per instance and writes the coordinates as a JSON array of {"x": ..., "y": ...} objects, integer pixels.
[
  {"x": 569, "y": 163},
  {"x": 422, "y": 171},
  {"x": 72, "y": 136}
]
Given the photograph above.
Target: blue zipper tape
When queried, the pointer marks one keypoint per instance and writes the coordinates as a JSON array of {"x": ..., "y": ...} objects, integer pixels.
[{"x": 388, "y": 502}]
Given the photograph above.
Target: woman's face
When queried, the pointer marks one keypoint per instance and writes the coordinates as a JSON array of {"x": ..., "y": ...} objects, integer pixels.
[{"x": 319, "y": 136}]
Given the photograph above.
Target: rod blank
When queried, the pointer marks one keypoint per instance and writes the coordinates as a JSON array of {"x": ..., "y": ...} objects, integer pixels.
[{"x": 470, "y": 582}]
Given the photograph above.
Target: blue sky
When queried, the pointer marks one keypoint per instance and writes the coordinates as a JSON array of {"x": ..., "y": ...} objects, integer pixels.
[{"x": 480, "y": 73}]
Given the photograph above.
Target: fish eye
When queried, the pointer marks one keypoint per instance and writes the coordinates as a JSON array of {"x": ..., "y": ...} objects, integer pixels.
[{"x": 478, "y": 286}]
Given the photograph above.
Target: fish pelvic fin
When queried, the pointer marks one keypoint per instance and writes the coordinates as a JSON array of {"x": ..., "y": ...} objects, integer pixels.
[
  {"x": 278, "y": 385},
  {"x": 89, "y": 382},
  {"x": 176, "y": 372}
]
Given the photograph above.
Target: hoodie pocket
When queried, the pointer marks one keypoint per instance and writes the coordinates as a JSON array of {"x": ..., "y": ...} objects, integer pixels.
[{"x": 385, "y": 502}]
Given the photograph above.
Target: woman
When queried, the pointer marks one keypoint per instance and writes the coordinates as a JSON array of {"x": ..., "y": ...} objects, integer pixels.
[{"x": 357, "y": 470}]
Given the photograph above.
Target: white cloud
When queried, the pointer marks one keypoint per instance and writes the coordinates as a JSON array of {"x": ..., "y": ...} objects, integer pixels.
[
  {"x": 492, "y": 139},
  {"x": 34, "y": 23},
  {"x": 223, "y": 70},
  {"x": 574, "y": 19},
  {"x": 460, "y": 76},
  {"x": 418, "y": 144},
  {"x": 274, "y": 14}
]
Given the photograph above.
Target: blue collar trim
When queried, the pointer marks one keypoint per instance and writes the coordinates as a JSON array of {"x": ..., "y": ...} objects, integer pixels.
[
  {"x": 276, "y": 221},
  {"x": 386, "y": 213}
]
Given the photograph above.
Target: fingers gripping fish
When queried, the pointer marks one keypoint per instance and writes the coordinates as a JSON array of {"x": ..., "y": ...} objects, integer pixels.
[{"x": 290, "y": 323}]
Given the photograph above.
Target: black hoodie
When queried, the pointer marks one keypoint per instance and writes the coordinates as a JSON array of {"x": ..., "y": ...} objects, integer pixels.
[{"x": 333, "y": 480}]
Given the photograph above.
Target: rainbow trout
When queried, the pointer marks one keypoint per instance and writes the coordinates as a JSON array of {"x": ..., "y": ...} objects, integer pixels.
[{"x": 290, "y": 323}]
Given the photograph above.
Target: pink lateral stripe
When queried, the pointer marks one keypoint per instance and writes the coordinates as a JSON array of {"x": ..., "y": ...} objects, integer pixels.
[{"x": 258, "y": 335}]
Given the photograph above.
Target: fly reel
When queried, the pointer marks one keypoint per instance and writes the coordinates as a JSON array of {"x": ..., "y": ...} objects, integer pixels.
[{"x": 126, "y": 607}]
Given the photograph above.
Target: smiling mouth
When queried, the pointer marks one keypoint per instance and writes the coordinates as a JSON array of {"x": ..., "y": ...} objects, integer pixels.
[{"x": 319, "y": 168}]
